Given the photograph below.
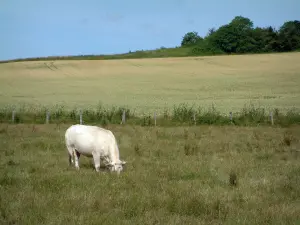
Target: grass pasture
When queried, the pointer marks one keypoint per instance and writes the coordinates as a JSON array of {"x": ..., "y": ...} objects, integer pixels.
[
  {"x": 145, "y": 85},
  {"x": 177, "y": 175}
]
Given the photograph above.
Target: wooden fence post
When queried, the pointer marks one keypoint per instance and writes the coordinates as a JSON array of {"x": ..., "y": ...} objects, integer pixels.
[
  {"x": 47, "y": 116},
  {"x": 123, "y": 117},
  {"x": 13, "y": 116},
  {"x": 271, "y": 118},
  {"x": 194, "y": 118},
  {"x": 155, "y": 119},
  {"x": 230, "y": 116},
  {"x": 80, "y": 117}
]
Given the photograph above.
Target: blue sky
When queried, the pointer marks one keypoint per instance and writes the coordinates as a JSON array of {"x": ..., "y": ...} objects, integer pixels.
[{"x": 35, "y": 28}]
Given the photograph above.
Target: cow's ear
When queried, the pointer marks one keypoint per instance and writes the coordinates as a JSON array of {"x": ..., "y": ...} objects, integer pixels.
[{"x": 123, "y": 162}]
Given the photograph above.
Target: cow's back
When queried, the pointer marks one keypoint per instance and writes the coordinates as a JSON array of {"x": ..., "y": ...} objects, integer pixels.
[
  {"x": 85, "y": 138},
  {"x": 82, "y": 138}
]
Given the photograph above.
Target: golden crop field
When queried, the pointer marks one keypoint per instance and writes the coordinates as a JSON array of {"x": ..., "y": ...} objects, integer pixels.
[{"x": 145, "y": 85}]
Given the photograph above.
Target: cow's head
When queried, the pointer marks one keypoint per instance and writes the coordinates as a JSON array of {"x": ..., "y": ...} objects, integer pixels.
[{"x": 116, "y": 166}]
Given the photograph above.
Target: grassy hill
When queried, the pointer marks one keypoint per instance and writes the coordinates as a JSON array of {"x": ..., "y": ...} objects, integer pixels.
[
  {"x": 139, "y": 54},
  {"x": 157, "y": 53}
]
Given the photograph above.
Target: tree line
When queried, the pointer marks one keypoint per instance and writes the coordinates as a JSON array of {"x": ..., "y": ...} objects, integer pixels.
[{"x": 240, "y": 36}]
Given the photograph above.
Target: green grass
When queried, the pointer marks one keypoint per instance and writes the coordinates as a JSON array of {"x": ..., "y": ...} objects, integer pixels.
[
  {"x": 148, "y": 85},
  {"x": 182, "y": 114},
  {"x": 157, "y": 53},
  {"x": 139, "y": 54},
  {"x": 176, "y": 175}
]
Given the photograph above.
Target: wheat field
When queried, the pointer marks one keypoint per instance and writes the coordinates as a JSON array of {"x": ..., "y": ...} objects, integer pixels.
[{"x": 145, "y": 85}]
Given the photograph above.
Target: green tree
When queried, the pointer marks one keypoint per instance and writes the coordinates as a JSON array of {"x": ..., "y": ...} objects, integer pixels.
[
  {"x": 239, "y": 36},
  {"x": 289, "y": 34},
  {"x": 235, "y": 37},
  {"x": 266, "y": 39},
  {"x": 191, "y": 38},
  {"x": 210, "y": 31}
]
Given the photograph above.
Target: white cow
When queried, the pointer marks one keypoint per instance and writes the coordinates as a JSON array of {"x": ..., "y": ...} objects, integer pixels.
[{"x": 96, "y": 142}]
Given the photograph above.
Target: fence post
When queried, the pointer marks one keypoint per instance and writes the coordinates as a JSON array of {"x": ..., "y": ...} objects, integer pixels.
[
  {"x": 271, "y": 118},
  {"x": 155, "y": 119},
  {"x": 123, "y": 117},
  {"x": 13, "y": 116},
  {"x": 80, "y": 117},
  {"x": 194, "y": 118},
  {"x": 230, "y": 116},
  {"x": 47, "y": 116}
]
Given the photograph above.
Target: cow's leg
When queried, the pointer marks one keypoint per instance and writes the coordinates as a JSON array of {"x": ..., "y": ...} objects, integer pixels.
[
  {"x": 70, "y": 160},
  {"x": 78, "y": 154},
  {"x": 76, "y": 159},
  {"x": 96, "y": 157},
  {"x": 70, "y": 154}
]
